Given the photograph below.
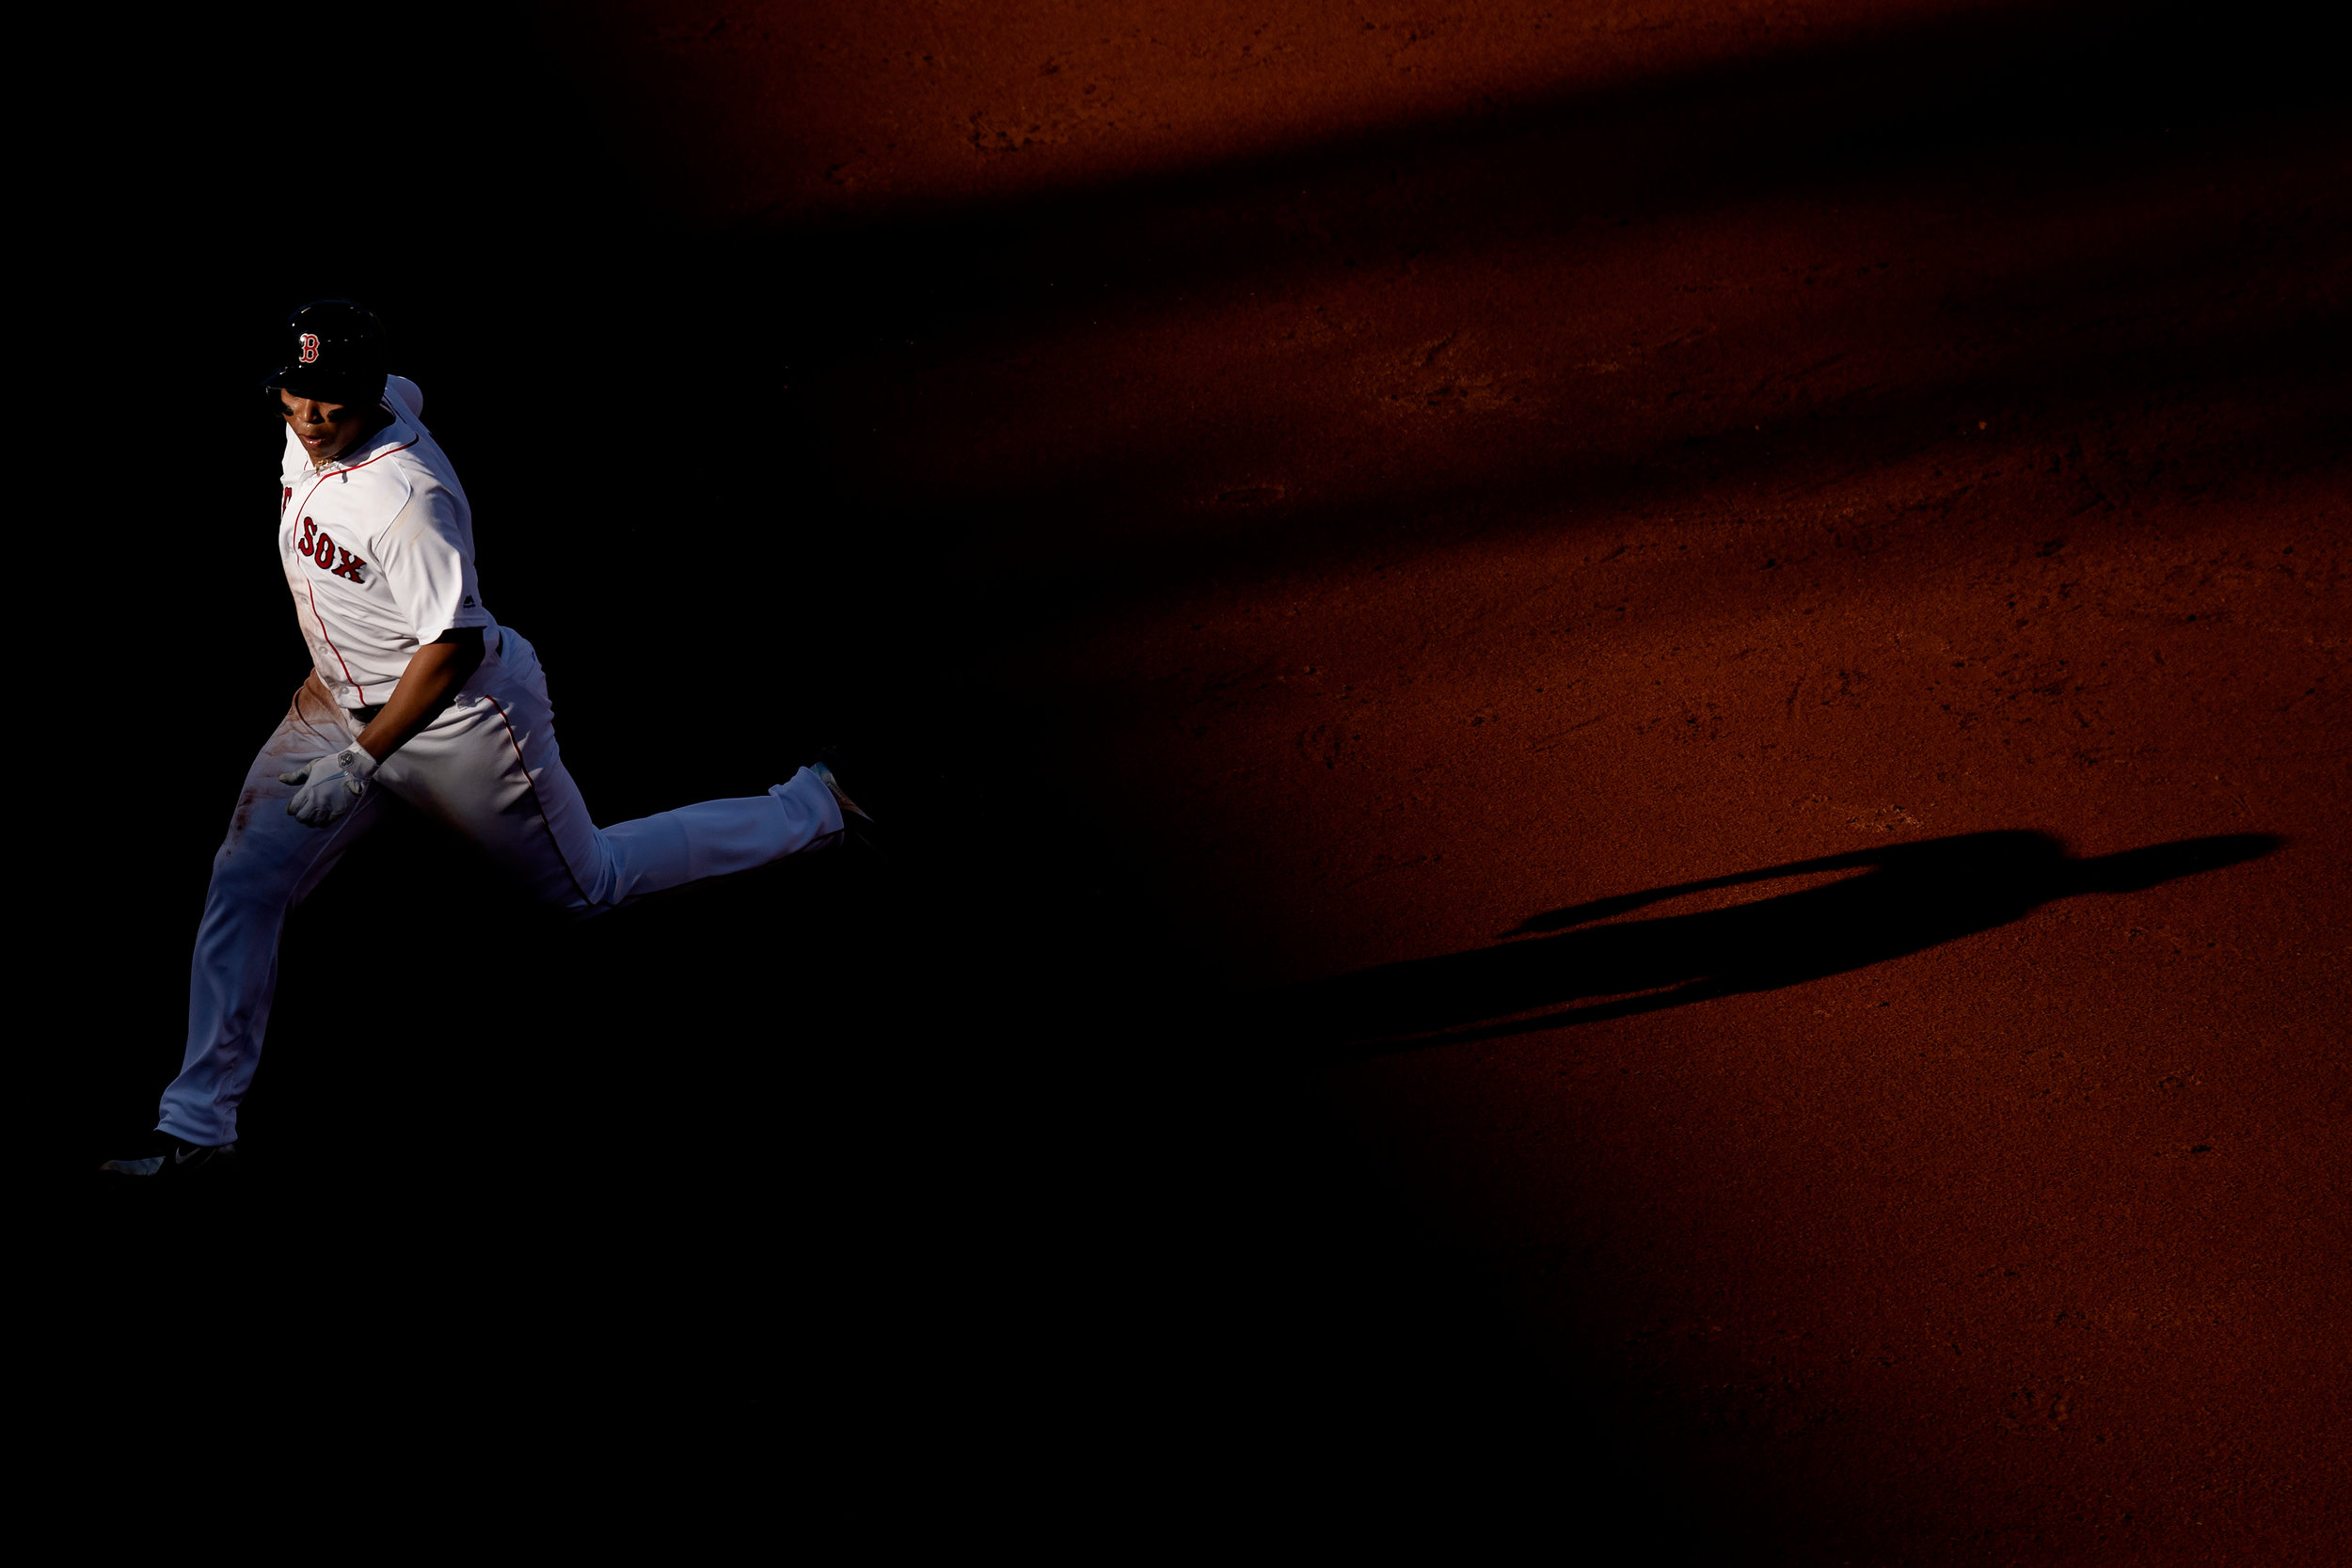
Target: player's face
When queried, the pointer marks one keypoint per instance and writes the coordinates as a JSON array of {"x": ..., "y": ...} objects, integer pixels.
[{"x": 325, "y": 429}]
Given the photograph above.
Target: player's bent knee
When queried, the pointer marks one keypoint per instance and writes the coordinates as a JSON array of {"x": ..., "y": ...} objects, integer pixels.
[{"x": 249, "y": 880}]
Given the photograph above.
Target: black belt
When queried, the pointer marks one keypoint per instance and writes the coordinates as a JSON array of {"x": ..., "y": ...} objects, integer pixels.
[{"x": 367, "y": 715}]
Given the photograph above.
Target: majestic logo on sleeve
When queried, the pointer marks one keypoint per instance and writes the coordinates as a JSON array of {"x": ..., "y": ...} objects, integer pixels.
[
  {"x": 323, "y": 551},
  {"x": 310, "y": 348}
]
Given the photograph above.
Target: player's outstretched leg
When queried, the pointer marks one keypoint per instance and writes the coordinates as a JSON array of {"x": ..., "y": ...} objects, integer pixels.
[
  {"x": 490, "y": 768},
  {"x": 266, "y": 864}
]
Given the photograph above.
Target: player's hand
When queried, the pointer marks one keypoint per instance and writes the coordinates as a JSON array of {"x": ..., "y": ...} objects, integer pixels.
[{"x": 330, "y": 785}]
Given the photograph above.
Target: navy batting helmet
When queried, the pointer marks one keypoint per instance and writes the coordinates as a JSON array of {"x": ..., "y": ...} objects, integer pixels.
[{"x": 334, "y": 352}]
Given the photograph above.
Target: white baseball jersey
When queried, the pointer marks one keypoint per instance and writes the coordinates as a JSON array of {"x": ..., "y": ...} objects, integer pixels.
[{"x": 378, "y": 550}]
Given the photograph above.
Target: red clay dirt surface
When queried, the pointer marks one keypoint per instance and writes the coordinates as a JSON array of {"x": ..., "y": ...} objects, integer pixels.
[
  {"x": 1735, "y": 615},
  {"x": 1632, "y": 720}
]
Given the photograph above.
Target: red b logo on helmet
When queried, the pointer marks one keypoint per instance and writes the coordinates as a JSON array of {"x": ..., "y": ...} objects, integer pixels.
[{"x": 309, "y": 347}]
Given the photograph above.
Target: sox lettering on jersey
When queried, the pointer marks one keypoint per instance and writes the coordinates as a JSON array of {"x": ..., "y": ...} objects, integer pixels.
[{"x": 323, "y": 551}]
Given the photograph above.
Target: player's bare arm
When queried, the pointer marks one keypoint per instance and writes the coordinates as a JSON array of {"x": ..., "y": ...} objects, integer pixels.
[
  {"x": 328, "y": 786},
  {"x": 440, "y": 667},
  {"x": 433, "y": 676}
]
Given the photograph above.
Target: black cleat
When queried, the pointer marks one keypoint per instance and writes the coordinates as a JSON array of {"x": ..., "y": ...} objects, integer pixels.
[
  {"x": 855, "y": 825},
  {"x": 178, "y": 1159}
]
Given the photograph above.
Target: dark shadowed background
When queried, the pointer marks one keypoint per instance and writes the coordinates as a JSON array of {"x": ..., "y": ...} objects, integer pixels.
[{"x": 1616, "y": 732}]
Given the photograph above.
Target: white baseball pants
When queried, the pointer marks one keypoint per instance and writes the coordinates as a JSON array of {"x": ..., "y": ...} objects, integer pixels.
[{"x": 486, "y": 768}]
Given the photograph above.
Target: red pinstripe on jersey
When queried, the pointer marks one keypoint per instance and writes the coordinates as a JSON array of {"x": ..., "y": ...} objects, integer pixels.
[{"x": 330, "y": 645}]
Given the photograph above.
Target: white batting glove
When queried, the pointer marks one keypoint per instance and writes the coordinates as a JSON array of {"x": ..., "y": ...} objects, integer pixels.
[{"x": 331, "y": 785}]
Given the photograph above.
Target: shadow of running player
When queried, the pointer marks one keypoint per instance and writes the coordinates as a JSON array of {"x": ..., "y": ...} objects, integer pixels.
[{"x": 1905, "y": 897}]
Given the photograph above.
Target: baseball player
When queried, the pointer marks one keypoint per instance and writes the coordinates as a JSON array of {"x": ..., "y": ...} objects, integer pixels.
[{"x": 415, "y": 692}]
